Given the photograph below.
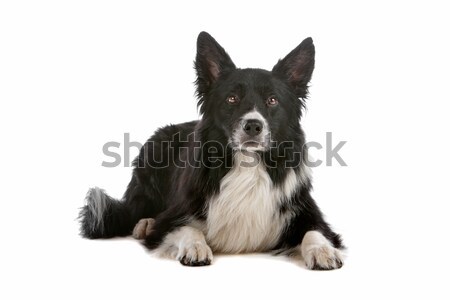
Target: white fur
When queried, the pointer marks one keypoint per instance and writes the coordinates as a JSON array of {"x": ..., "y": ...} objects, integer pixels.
[
  {"x": 239, "y": 133},
  {"x": 97, "y": 204},
  {"x": 318, "y": 252},
  {"x": 245, "y": 215},
  {"x": 305, "y": 174},
  {"x": 255, "y": 114},
  {"x": 186, "y": 243}
]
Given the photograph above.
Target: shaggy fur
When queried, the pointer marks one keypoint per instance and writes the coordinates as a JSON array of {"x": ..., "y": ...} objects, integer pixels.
[{"x": 235, "y": 181}]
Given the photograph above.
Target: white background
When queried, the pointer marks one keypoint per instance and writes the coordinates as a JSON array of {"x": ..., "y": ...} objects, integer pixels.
[{"x": 75, "y": 75}]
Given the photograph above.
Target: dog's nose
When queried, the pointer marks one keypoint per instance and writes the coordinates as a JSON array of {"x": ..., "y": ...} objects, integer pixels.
[{"x": 253, "y": 127}]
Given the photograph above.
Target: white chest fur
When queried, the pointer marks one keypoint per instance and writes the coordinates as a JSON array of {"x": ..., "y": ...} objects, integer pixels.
[{"x": 245, "y": 215}]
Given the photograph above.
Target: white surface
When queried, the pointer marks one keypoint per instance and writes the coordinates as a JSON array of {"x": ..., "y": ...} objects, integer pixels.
[{"x": 76, "y": 75}]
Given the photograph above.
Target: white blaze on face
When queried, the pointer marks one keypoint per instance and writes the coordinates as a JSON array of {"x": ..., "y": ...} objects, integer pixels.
[{"x": 243, "y": 141}]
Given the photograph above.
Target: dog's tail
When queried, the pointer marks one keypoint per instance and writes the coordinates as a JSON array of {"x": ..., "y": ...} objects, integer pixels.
[{"x": 104, "y": 216}]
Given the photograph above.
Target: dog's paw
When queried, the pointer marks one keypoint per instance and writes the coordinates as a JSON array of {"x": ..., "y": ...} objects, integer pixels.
[
  {"x": 194, "y": 254},
  {"x": 319, "y": 254},
  {"x": 323, "y": 257},
  {"x": 143, "y": 228}
]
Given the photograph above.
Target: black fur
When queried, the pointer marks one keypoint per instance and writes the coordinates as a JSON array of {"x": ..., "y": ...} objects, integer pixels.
[
  {"x": 175, "y": 191},
  {"x": 115, "y": 222}
]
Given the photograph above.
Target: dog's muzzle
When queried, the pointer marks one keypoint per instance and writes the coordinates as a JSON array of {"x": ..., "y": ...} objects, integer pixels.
[
  {"x": 251, "y": 133},
  {"x": 253, "y": 127}
]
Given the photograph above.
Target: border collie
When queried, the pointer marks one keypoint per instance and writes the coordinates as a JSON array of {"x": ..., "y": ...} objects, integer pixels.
[{"x": 235, "y": 181}]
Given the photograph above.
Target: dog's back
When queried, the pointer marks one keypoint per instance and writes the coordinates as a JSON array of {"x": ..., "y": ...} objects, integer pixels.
[{"x": 147, "y": 195}]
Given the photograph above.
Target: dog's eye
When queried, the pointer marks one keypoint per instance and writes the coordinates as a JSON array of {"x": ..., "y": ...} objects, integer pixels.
[
  {"x": 233, "y": 100},
  {"x": 272, "y": 101}
]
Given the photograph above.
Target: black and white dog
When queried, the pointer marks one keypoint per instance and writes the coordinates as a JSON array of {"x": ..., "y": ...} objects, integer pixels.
[{"x": 236, "y": 181}]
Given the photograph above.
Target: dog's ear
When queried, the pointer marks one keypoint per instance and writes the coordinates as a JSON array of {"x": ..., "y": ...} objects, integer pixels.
[
  {"x": 210, "y": 63},
  {"x": 297, "y": 67}
]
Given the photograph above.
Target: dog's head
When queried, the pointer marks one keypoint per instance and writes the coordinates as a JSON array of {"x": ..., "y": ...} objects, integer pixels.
[{"x": 252, "y": 107}]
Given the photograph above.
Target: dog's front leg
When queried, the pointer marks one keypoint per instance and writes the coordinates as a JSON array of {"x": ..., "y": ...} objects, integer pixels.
[
  {"x": 319, "y": 253},
  {"x": 320, "y": 247},
  {"x": 187, "y": 245}
]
